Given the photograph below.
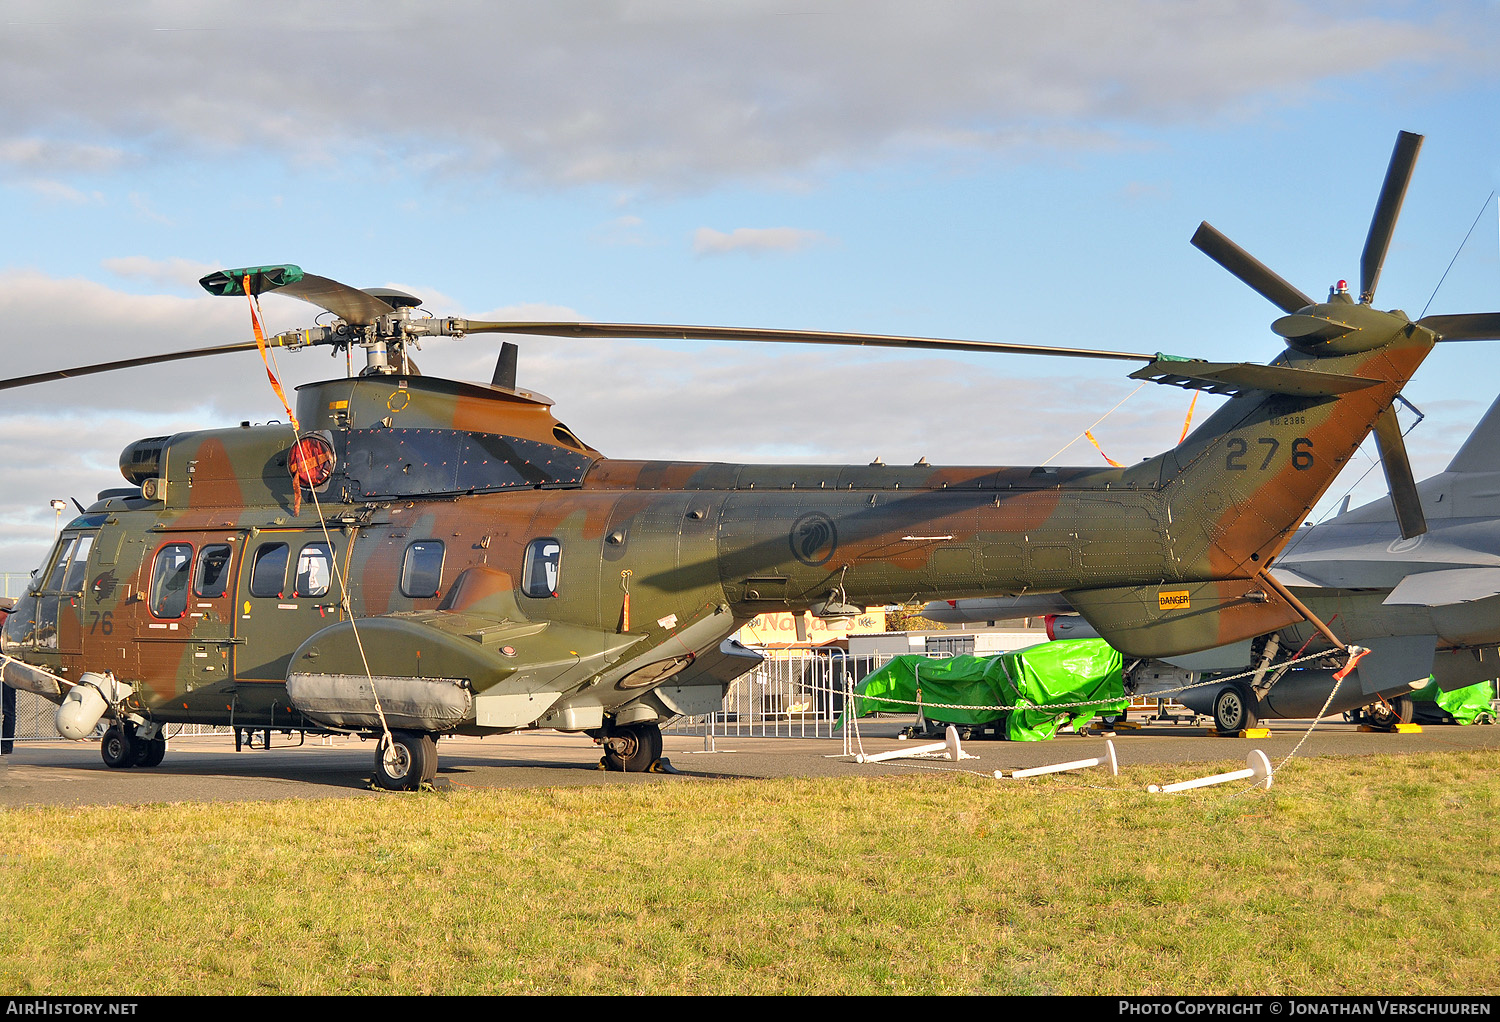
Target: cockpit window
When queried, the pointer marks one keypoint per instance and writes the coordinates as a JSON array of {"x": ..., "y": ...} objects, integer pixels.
[
  {"x": 60, "y": 566},
  {"x": 79, "y": 566}
]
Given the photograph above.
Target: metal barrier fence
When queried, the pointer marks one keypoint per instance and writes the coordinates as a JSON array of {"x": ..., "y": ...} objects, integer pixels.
[
  {"x": 800, "y": 696},
  {"x": 36, "y": 721},
  {"x": 13, "y": 583}
]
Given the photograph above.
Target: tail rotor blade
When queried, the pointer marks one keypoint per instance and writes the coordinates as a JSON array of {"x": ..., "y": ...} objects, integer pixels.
[
  {"x": 1464, "y": 326},
  {"x": 1398, "y": 474},
  {"x": 1260, "y": 277},
  {"x": 1387, "y": 209}
]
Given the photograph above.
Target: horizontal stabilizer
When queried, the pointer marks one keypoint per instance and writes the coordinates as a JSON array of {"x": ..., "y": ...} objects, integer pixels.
[
  {"x": 1445, "y": 588},
  {"x": 1307, "y": 327},
  {"x": 1236, "y": 377}
]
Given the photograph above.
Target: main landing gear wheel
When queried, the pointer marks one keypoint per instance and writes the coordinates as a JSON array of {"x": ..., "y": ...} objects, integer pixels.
[
  {"x": 1234, "y": 710},
  {"x": 1389, "y": 713},
  {"x": 118, "y": 747},
  {"x": 632, "y": 748},
  {"x": 406, "y": 761}
]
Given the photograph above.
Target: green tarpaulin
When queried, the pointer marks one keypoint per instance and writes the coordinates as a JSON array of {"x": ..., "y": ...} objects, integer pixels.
[
  {"x": 1465, "y": 705},
  {"x": 978, "y": 690}
]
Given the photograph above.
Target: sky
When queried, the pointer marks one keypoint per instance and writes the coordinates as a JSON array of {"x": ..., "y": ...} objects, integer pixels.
[{"x": 1011, "y": 171}]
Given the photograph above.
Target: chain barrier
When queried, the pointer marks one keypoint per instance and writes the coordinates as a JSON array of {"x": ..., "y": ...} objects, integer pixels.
[{"x": 1217, "y": 680}]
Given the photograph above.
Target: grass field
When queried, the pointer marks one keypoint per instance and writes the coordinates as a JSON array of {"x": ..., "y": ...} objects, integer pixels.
[{"x": 1367, "y": 875}]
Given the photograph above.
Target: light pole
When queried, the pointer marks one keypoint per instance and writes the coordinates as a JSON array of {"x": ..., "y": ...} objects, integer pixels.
[{"x": 57, "y": 510}]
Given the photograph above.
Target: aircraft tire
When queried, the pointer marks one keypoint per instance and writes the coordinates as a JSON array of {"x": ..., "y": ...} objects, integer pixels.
[
  {"x": 642, "y": 747},
  {"x": 406, "y": 762},
  {"x": 429, "y": 774},
  {"x": 1234, "y": 710},
  {"x": 1402, "y": 710},
  {"x": 1406, "y": 709},
  {"x": 118, "y": 747},
  {"x": 150, "y": 753}
]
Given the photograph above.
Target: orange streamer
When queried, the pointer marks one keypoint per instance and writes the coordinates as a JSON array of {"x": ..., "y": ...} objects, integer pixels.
[
  {"x": 1188, "y": 423},
  {"x": 260, "y": 344},
  {"x": 1106, "y": 457}
]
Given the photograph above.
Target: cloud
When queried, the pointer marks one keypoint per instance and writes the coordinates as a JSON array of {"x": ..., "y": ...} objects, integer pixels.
[
  {"x": 58, "y": 191},
  {"x": 623, "y": 231},
  {"x": 664, "y": 95},
  {"x": 58, "y": 156},
  {"x": 177, "y": 273},
  {"x": 707, "y": 241}
]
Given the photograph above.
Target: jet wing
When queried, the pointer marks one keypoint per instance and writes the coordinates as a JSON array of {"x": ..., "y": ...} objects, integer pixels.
[
  {"x": 1295, "y": 579},
  {"x": 1443, "y": 588}
]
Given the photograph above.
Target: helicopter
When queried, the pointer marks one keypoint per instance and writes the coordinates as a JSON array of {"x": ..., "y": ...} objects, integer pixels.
[{"x": 415, "y": 556}]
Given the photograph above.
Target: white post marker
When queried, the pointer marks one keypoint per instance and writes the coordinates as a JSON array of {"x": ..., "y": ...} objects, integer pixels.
[
  {"x": 950, "y": 747},
  {"x": 1077, "y": 764},
  {"x": 1260, "y": 769}
]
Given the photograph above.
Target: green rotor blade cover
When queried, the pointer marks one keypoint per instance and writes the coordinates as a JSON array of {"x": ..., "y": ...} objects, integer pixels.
[{"x": 262, "y": 279}]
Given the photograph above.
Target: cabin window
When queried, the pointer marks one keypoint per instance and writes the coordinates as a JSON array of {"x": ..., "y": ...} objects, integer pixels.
[
  {"x": 314, "y": 569},
  {"x": 268, "y": 576},
  {"x": 169, "y": 580},
  {"x": 213, "y": 571},
  {"x": 540, "y": 571},
  {"x": 422, "y": 569}
]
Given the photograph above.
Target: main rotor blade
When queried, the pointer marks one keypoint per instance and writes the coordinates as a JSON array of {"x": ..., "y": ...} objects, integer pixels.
[
  {"x": 1261, "y": 278},
  {"x": 353, "y": 306},
  {"x": 130, "y": 363},
  {"x": 1387, "y": 209},
  {"x": 1464, "y": 326},
  {"x": 1398, "y": 474},
  {"x": 349, "y": 304},
  {"x": 660, "y": 331}
]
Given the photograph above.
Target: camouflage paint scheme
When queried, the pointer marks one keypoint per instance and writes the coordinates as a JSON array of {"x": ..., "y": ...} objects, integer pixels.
[
  {"x": 502, "y": 574},
  {"x": 1162, "y": 557}
]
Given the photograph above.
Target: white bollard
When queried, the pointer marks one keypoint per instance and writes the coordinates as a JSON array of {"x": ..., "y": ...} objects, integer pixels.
[
  {"x": 1077, "y": 764},
  {"x": 1259, "y": 768},
  {"x": 950, "y": 747}
]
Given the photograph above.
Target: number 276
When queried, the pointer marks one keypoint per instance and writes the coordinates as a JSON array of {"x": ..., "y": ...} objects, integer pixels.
[{"x": 1239, "y": 450}]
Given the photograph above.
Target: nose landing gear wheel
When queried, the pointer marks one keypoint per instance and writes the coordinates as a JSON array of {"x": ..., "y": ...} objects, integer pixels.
[
  {"x": 409, "y": 759},
  {"x": 632, "y": 748},
  {"x": 1234, "y": 710},
  {"x": 118, "y": 747}
]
